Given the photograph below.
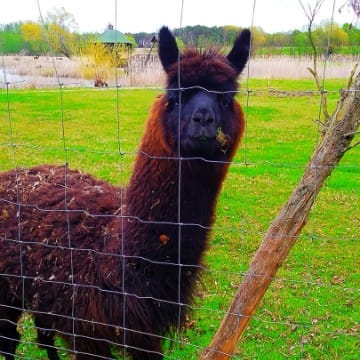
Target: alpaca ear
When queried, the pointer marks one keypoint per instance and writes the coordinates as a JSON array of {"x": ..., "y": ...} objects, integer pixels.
[
  {"x": 239, "y": 54},
  {"x": 168, "y": 50}
]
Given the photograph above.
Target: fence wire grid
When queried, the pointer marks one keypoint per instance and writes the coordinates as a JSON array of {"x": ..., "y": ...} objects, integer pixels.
[{"x": 311, "y": 310}]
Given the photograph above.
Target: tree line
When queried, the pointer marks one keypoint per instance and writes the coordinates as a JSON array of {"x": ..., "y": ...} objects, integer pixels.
[
  {"x": 344, "y": 39},
  {"x": 59, "y": 33}
]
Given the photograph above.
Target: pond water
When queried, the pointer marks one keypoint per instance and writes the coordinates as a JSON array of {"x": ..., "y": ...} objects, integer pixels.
[{"x": 30, "y": 81}]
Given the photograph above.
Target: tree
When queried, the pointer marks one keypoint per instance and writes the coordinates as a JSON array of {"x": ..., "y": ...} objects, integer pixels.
[
  {"x": 63, "y": 18},
  {"x": 230, "y": 32},
  {"x": 132, "y": 39},
  {"x": 278, "y": 39},
  {"x": 258, "y": 37},
  {"x": 61, "y": 27},
  {"x": 96, "y": 61},
  {"x": 180, "y": 44},
  {"x": 339, "y": 37},
  {"x": 33, "y": 35},
  {"x": 353, "y": 34},
  {"x": 354, "y": 4},
  {"x": 311, "y": 13},
  {"x": 11, "y": 39},
  {"x": 330, "y": 34},
  {"x": 300, "y": 39}
]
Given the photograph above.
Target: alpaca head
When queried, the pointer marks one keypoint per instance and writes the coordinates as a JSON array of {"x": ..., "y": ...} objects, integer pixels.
[{"x": 202, "y": 117}]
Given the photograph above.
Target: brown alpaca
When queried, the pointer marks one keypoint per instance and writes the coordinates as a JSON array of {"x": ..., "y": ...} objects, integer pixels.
[
  {"x": 100, "y": 83},
  {"x": 102, "y": 276}
]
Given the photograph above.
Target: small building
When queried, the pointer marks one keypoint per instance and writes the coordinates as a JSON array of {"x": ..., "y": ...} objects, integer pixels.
[{"x": 112, "y": 37}]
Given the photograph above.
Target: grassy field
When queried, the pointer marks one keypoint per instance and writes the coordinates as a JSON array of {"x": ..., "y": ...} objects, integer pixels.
[{"x": 312, "y": 309}]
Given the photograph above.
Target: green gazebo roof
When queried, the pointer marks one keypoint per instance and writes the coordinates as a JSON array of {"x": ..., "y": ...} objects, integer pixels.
[{"x": 112, "y": 36}]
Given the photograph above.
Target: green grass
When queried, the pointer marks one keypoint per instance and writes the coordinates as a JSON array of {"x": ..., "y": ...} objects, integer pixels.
[
  {"x": 304, "y": 51},
  {"x": 312, "y": 308}
]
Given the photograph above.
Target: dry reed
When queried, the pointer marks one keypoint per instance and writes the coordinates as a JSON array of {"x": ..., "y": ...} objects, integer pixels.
[{"x": 37, "y": 72}]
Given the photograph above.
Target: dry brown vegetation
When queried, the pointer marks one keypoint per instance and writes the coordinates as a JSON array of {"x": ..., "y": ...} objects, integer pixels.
[{"x": 36, "y": 72}]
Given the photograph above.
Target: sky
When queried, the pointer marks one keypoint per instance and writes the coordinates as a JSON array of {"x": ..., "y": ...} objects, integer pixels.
[{"x": 149, "y": 15}]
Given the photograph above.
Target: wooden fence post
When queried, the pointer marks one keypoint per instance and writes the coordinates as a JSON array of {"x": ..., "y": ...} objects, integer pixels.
[{"x": 286, "y": 227}]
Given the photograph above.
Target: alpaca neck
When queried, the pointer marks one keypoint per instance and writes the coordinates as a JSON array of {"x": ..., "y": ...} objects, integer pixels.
[
  {"x": 164, "y": 193},
  {"x": 174, "y": 190}
]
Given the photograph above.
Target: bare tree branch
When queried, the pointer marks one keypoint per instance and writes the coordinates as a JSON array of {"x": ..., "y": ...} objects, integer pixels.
[
  {"x": 311, "y": 13},
  {"x": 354, "y": 4}
]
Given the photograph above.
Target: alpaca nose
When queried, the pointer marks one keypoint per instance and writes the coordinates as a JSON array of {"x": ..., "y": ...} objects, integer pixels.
[{"x": 203, "y": 117}]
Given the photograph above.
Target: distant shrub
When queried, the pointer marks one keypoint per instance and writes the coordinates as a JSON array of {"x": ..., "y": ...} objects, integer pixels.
[{"x": 98, "y": 61}]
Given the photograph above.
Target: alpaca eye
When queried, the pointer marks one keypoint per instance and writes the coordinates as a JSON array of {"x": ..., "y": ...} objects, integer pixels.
[{"x": 173, "y": 99}]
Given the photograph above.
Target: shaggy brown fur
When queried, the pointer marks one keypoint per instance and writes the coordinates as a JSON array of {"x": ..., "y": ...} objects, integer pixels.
[
  {"x": 101, "y": 275},
  {"x": 207, "y": 70},
  {"x": 100, "y": 83}
]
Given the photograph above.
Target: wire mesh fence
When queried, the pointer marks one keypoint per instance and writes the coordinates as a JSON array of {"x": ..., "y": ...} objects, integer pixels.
[{"x": 311, "y": 309}]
